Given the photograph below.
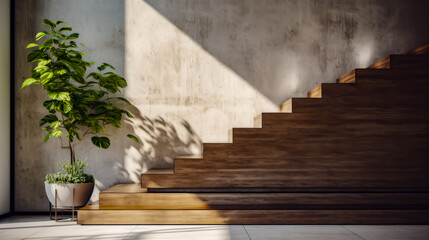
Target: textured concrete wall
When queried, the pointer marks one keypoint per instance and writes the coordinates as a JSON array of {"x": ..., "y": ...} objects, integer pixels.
[
  {"x": 197, "y": 68},
  {"x": 5, "y": 107}
]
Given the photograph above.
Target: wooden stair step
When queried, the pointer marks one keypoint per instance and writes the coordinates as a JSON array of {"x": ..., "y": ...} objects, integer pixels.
[
  {"x": 409, "y": 61},
  {"x": 286, "y": 107},
  {"x": 383, "y": 102},
  {"x": 125, "y": 188},
  {"x": 315, "y": 92},
  {"x": 411, "y": 87},
  {"x": 264, "y": 200},
  {"x": 101, "y": 215},
  {"x": 402, "y": 61},
  {"x": 381, "y": 64},
  {"x": 317, "y": 178},
  {"x": 345, "y": 119},
  {"x": 257, "y": 121},
  {"x": 295, "y": 166},
  {"x": 191, "y": 157},
  {"x": 424, "y": 49},
  {"x": 355, "y": 147},
  {"x": 320, "y": 133},
  {"x": 368, "y": 75},
  {"x": 159, "y": 171}
]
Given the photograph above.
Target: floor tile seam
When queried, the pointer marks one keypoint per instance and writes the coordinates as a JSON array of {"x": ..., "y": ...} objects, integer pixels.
[
  {"x": 31, "y": 234},
  {"x": 132, "y": 230},
  {"x": 353, "y": 232},
  {"x": 248, "y": 235}
]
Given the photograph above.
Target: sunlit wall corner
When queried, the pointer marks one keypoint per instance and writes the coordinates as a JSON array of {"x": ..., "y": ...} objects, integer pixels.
[{"x": 5, "y": 107}]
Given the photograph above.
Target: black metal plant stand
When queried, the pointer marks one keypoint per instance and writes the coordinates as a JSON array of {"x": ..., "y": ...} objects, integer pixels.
[{"x": 55, "y": 208}]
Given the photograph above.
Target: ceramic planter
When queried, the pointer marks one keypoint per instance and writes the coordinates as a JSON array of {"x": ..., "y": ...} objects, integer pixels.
[{"x": 82, "y": 193}]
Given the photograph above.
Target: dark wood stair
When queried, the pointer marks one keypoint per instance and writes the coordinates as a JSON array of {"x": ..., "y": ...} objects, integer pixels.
[{"x": 352, "y": 152}]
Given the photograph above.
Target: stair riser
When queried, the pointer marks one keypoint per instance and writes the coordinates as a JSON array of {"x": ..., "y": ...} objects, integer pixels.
[
  {"x": 371, "y": 90},
  {"x": 301, "y": 179},
  {"x": 350, "y": 120},
  {"x": 306, "y": 172},
  {"x": 319, "y": 133},
  {"x": 291, "y": 148},
  {"x": 266, "y": 200},
  {"x": 351, "y": 104},
  {"x": 417, "y": 61},
  {"x": 368, "y": 75},
  {"x": 302, "y": 166},
  {"x": 383, "y": 63},
  {"x": 403, "y": 61}
]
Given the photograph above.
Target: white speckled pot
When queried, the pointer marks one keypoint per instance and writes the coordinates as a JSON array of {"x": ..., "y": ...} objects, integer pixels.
[{"x": 83, "y": 192}]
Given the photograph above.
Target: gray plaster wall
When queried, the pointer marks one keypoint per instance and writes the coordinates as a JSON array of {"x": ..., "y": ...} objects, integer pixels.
[
  {"x": 5, "y": 107},
  {"x": 197, "y": 68}
]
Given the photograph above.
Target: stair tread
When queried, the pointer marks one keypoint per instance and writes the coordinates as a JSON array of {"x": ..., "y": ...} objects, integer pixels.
[
  {"x": 159, "y": 171},
  {"x": 253, "y": 216},
  {"x": 189, "y": 157},
  {"x": 126, "y": 188}
]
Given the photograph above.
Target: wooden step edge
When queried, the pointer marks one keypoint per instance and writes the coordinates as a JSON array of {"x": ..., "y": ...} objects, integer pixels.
[
  {"x": 159, "y": 171},
  {"x": 315, "y": 92},
  {"x": 230, "y": 135},
  {"x": 125, "y": 188},
  {"x": 421, "y": 50},
  {"x": 188, "y": 157},
  {"x": 257, "y": 121},
  {"x": 347, "y": 78},
  {"x": 286, "y": 107},
  {"x": 383, "y": 63},
  {"x": 100, "y": 216}
]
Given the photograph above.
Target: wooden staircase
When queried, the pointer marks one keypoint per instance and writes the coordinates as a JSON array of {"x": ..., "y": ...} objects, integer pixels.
[{"x": 353, "y": 152}]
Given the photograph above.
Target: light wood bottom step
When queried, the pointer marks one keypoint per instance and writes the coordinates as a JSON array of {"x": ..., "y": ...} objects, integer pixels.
[{"x": 100, "y": 215}]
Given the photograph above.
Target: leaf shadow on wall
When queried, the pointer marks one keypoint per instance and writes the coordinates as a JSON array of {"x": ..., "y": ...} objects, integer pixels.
[{"x": 161, "y": 141}]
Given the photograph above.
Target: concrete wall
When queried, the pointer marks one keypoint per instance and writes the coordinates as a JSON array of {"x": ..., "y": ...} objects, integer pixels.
[
  {"x": 5, "y": 107},
  {"x": 197, "y": 68}
]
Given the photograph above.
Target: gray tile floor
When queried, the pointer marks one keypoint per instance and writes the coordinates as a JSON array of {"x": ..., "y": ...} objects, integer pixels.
[{"x": 40, "y": 227}]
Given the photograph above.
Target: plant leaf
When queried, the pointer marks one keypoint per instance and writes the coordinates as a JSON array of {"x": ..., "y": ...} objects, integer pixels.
[
  {"x": 59, "y": 22},
  {"x": 41, "y": 34},
  {"x": 73, "y": 36},
  {"x": 32, "y": 45},
  {"x": 101, "y": 142},
  {"x": 65, "y": 29},
  {"x": 47, "y": 22},
  {"x": 65, "y": 107},
  {"x": 123, "y": 100},
  {"x": 133, "y": 138},
  {"x": 47, "y": 137},
  {"x": 108, "y": 65},
  {"x": 56, "y": 133},
  {"x": 45, "y": 77},
  {"x": 28, "y": 81},
  {"x": 43, "y": 62},
  {"x": 63, "y": 96},
  {"x": 55, "y": 124},
  {"x": 36, "y": 55},
  {"x": 48, "y": 119}
]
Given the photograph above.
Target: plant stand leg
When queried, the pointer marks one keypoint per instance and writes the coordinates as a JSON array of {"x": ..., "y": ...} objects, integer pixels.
[
  {"x": 73, "y": 207},
  {"x": 50, "y": 211},
  {"x": 56, "y": 196}
]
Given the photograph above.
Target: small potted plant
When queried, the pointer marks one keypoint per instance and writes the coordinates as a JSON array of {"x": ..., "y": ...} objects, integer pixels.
[{"x": 79, "y": 105}]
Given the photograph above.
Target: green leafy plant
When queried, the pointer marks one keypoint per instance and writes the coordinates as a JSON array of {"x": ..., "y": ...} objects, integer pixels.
[
  {"x": 79, "y": 104},
  {"x": 74, "y": 173}
]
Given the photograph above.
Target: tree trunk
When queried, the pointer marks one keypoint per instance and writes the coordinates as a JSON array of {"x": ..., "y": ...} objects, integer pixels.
[{"x": 72, "y": 155}]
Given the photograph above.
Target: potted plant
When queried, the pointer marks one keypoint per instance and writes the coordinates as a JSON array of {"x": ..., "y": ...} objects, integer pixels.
[{"x": 79, "y": 105}]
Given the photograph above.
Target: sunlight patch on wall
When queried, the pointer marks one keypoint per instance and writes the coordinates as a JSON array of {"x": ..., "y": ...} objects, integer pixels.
[
  {"x": 172, "y": 76},
  {"x": 364, "y": 52}
]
